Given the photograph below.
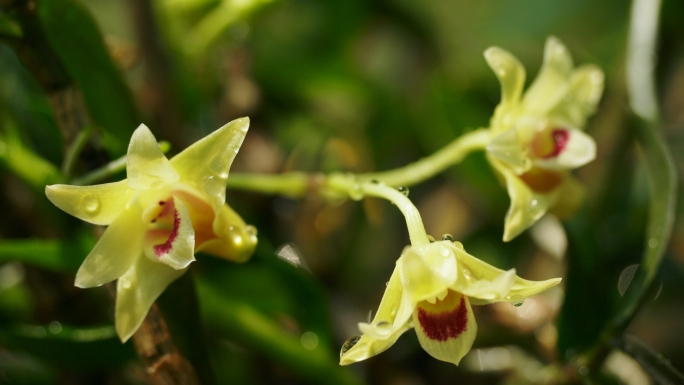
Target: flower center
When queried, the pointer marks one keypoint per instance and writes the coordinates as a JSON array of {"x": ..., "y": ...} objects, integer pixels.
[
  {"x": 445, "y": 319},
  {"x": 549, "y": 143}
]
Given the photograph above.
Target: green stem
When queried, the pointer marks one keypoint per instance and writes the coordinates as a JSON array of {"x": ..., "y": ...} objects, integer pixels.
[
  {"x": 432, "y": 165},
  {"x": 110, "y": 169},
  {"x": 75, "y": 150},
  {"x": 297, "y": 184},
  {"x": 356, "y": 189}
]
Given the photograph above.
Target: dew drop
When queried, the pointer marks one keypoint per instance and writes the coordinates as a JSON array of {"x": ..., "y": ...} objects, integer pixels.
[
  {"x": 251, "y": 230},
  {"x": 444, "y": 251},
  {"x": 518, "y": 304},
  {"x": 404, "y": 190},
  {"x": 348, "y": 344},
  {"x": 626, "y": 278},
  {"x": 356, "y": 193},
  {"x": 447, "y": 237},
  {"x": 125, "y": 283},
  {"x": 91, "y": 204},
  {"x": 213, "y": 185},
  {"x": 466, "y": 274},
  {"x": 431, "y": 239},
  {"x": 534, "y": 203}
]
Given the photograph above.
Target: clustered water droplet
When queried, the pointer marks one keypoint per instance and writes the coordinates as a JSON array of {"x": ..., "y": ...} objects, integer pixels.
[{"x": 447, "y": 237}]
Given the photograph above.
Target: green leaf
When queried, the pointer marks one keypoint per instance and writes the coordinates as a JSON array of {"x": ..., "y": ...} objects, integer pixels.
[
  {"x": 75, "y": 37},
  {"x": 82, "y": 348},
  {"x": 655, "y": 364},
  {"x": 65, "y": 256},
  {"x": 9, "y": 27}
]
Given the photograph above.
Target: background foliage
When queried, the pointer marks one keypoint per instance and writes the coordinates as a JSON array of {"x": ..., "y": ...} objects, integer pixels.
[{"x": 340, "y": 85}]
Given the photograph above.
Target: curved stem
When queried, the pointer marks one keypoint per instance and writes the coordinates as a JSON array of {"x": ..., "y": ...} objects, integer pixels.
[
  {"x": 355, "y": 189},
  {"x": 433, "y": 164}
]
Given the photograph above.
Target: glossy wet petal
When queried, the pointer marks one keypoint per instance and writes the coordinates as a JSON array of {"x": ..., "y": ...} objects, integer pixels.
[
  {"x": 136, "y": 290},
  {"x": 552, "y": 82},
  {"x": 507, "y": 148},
  {"x": 99, "y": 204},
  {"x": 509, "y": 71},
  {"x": 115, "y": 252},
  {"x": 175, "y": 246},
  {"x": 428, "y": 270},
  {"x": 390, "y": 322},
  {"x": 584, "y": 94},
  {"x": 479, "y": 270},
  {"x": 446, "y": 329},
  {"x": 526, "y": 207},
  {"x": 146, "y": 165},
  {"x": 234, "y": 240},
  {"x": 205, "y": 164}
]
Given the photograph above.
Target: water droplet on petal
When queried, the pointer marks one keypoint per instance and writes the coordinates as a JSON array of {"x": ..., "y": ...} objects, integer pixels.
[
  {"x": 251, "y": 230},
  {"x": 356, "y": 193},
  {"x": 466, "y": 274},
  {"x": 518, "y": 304},
  {"x": 348, "y": 344},
  {"x": 431, "y": 239},
  {"x": 447, "y": 237},
  {"x": 444, "y": 251},
  {"x": 213, "y": 185},
  {"x": 404, "y": 190},
  {"x": 91, "y": 204},
  {"x": 125, "y": 283},
  {"x": 533, "y": 204}
]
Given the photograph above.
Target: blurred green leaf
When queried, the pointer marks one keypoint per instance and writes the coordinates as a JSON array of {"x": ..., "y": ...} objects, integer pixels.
[
  {"x": 82, "y": 348},
  {"x": 75, "y": 37},
  {"x": 50, "y": 254},
  {"x": 9, "y": 27},
  {"x": 655, "y": 364}
]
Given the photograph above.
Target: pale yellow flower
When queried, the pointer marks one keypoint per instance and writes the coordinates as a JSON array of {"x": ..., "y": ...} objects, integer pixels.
[
  {"x": 537, "y": 137},
  {"x": 158, "y": 217},
  {"x": 432, "y": 289}
]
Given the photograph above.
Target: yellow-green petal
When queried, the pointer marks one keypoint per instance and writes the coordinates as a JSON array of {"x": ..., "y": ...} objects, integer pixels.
[
  {"x": 488, "y": 290},
  {"x": 205, "y": 164},
  {"x": 507, "y": 148},
  {"x": 479, "y": 270},
  {"x": 527, "y": 206},
  {"x": 427, "y": 270},
  {"x": 552, "y": 82},
  {"x": 509, "y": 71},
  {"x": 235, "y": 240},
  {"x": 115, "y": 252},
  {"x": 586, "y": 88},
  {"x": 137, "y": 290},
  {"x": 393, "y": 315},
  {"x": 146, "y": 165},
  {"x": 99, "y": 204},
  {"x": 447, "y": 329}
]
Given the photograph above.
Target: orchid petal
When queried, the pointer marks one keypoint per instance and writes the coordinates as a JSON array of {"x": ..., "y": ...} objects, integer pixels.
[
  {"x": 146, "y": 165},
  {"x": 447, "y": 329},
  {"x": 115, "y": 252},
  {"x": 235, "y": 241},
  {"x": 551, "y": 84},
  {"x": 507, "y": 148},
  {"x": 205, "y": 164},
  {"x": 427, "y": 270},
  {"x": 136, "y": 290},
  {"x": 496, "y": 283},
  {"x": 174, "y": 247},
  {"x": 509, "y": 71},
  {"x": 586, "y": 87},
  {"x": 526, "y": 207},
  {"x": 99, "y": 204},
  {"x": 390, "y": 322}
]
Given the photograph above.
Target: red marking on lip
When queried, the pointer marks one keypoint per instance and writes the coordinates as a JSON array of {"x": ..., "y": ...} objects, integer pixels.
[
  {"x": 445, "y": 325},
  {"x": 560, "y": 140},
  {"x": 165, "y": 247}
]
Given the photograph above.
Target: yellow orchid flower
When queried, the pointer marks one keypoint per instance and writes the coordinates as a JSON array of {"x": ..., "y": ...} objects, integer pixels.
[
  {"x": 158, "y": 217},
  {"x": 432, "y": 289},
  {"x": 537, "y": 137}
]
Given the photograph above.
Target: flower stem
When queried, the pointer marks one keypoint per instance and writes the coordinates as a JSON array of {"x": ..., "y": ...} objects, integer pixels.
[
  {"x": 432, "y": 165},
  {"x": 357, "y": 189},
  {"x": 75, "y": 149},
  {"x": 297, "y": 184}
]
